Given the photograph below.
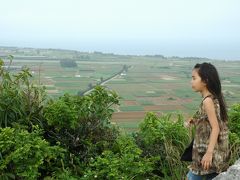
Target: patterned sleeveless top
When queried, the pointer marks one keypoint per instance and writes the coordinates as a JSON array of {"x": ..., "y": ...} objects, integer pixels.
[{"x": 201, "y": 141}]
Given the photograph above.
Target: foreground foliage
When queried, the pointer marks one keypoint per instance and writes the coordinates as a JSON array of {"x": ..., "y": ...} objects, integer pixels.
[
  {"x": 164, "y": 137},
  {"x": 234, "y": 127},
  {"x": 26, "y": 155}
]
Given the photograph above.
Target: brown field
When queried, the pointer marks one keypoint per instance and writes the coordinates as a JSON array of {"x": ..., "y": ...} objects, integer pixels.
[
  {"x": 163, "y": 107},
  {"x": 128, "y": 115},
  {"x": 130, "y": 103}
]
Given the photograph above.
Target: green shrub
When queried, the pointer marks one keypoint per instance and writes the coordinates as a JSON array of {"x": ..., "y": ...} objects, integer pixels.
[
  {"x": 234, "y": 136},
  {"x": 164, "y": 137},
  {"x": 81, "y": 124},
  {"x": 124, "y": 161},
  {"x": 26, "y": 155},
  {"x": 21, "y": 102},
  {"x": 234, "y": 119}
]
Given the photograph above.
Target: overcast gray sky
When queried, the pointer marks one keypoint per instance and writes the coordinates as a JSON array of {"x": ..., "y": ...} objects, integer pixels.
[{"x": 204, "y": 28}]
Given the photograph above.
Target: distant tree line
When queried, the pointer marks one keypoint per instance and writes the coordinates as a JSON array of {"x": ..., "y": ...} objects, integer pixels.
[{"x": 68, "y": 63}]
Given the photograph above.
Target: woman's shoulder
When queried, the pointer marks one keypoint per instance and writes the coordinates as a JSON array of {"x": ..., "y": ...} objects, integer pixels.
[
  {"x": 210, "y": 100},
  {"x": 211, "y": 104}
]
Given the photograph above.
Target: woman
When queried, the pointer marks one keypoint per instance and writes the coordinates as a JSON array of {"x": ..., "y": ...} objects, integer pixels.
[{"x": 210, "y": 147}]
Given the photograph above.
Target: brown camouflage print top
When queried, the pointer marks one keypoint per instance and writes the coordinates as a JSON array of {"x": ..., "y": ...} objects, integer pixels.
[{"x": 201, "y": 141}]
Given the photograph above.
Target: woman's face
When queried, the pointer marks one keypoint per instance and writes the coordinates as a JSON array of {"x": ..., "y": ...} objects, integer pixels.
[{"x": 197, "y": 84}]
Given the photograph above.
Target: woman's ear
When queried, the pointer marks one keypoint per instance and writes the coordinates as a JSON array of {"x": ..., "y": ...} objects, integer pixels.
[{"x": 205, "y": 82}]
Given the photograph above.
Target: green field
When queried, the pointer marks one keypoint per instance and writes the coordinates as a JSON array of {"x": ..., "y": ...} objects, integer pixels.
[{"x": 150, "y": 83}]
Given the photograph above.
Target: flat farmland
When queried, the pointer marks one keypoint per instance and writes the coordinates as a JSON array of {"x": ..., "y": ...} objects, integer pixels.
[{"x": 148, "y": 84}]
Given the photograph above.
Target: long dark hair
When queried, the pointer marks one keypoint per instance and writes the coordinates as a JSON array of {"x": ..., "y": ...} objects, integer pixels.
[{"x": 209, "y": 75}]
